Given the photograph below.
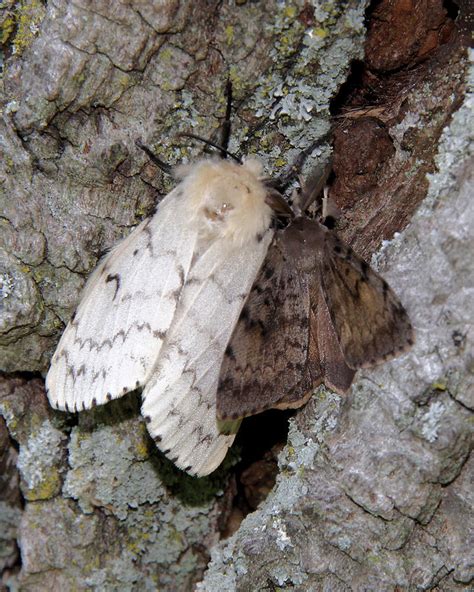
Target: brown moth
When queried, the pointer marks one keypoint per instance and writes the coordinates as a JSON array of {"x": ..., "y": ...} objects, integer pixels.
[{"x": 316, "y": 313}]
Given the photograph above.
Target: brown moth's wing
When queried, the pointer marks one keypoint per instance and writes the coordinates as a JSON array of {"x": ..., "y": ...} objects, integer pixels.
[
  {"x": 267, "y": 353},
  {"x": 370, "y": 322},
  {"x": 316, "y": 313},
  {"x": 284, "y": 344}
]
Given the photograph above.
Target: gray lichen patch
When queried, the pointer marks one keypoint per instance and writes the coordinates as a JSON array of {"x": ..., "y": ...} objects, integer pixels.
[
  {"x": 38, "y": 462},
  {"x": 295, "y": 102},
  {"x": 37, "y": 432},
  {"x": 106, "y": 459},
  {"x": 114, "y": 470},
  {"x": 20, "y": 302}
]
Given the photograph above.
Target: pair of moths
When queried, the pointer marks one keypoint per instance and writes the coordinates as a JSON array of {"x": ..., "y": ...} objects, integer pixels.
[{"x": 174, "y": 309}]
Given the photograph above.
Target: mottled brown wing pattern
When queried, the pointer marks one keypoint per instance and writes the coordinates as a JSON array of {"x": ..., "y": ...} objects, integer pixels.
[
  {"x": 316, "y": 313},
  {"x": 267, "y": 354},
  {"x": 371, "y": 324}
]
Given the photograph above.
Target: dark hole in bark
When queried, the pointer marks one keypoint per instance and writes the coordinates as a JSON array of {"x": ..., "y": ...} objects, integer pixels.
[
  {"x": 451, "y": 8},
  {"x": 370, "y": 10},
  {"x": 27, "y": 376},
  {"x": 353, "y": 82},
  {"x": 260, "y": 439}
]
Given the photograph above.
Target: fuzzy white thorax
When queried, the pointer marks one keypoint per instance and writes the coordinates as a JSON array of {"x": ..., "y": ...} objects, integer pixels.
[{"x": 228, "y": 199}]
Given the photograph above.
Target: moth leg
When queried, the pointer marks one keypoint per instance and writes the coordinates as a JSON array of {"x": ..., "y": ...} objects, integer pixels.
[
  {"x": 226, "y": 126},
  {"x": 330, "y": 211},
  {"x": 325, "y": 202},
  {"x": 309, "y": 191},
  {"x": 314, "y": 186}
]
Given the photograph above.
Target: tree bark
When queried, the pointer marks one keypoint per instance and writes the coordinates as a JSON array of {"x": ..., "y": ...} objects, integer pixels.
[{"x": 372, "y": 491}]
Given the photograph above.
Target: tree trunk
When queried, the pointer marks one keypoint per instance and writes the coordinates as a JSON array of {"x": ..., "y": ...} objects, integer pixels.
[{"x": 372, "y": 490}]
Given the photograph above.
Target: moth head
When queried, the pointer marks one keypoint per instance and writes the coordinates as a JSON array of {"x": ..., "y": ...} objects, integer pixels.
[{"x": 228, "y": 200}]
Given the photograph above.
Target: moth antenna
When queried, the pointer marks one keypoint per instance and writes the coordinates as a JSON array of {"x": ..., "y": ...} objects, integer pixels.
[
  {"x": 330, "y": 211},
  {"x": 210, "y": 143},
  {"x": 227, "y": 125},
  {"x": 164, "y": 166}
]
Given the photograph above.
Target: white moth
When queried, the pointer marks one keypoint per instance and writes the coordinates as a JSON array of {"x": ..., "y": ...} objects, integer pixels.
[{"x": 159, "y": 310}]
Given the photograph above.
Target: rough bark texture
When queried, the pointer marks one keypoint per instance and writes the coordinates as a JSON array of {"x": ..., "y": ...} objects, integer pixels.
[{"x": 373, "y": 491}]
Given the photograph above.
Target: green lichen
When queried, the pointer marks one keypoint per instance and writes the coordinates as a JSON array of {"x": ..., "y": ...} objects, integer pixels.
[
  {"x": 280, "y": 162},
  {"x": 39, "y": 460},
  {"x": 7, "y": 28},
  {"x": 9, "y": 164},
  {"x": 166, "y": 55},
  {"x": 319, "y": 32},
  {"x": 229, "y": 34},
  {"x": 47, "y": 488},
  {"x": 25, "y": 21},
  {"x": 238, "y": 83}
]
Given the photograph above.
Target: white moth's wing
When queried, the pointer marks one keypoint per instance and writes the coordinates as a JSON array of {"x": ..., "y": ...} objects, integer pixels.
[
  {"x": 113, "y": 340},
  {"x": 179, "y": 401}
]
